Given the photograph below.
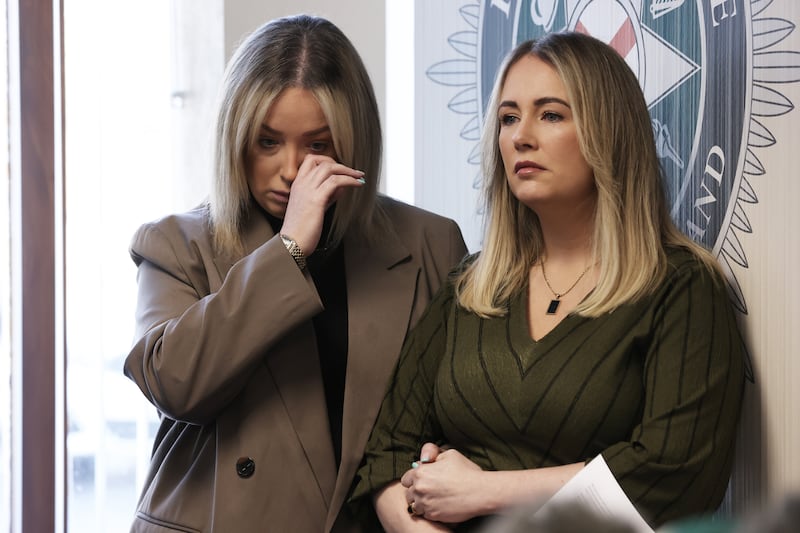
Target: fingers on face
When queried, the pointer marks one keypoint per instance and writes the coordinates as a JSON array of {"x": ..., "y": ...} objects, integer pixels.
[{"x": 323, "y": 167}]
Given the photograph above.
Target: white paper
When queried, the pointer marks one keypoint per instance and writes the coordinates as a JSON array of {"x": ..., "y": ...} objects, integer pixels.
[{"x": 595, "y": 488}]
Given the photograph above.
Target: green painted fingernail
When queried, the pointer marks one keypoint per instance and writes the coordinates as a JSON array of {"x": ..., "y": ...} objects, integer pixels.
[{"x": 362, "y": 181}]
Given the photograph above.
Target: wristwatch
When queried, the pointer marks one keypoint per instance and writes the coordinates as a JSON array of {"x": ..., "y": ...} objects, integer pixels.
[{"x": 295, "y": 251}]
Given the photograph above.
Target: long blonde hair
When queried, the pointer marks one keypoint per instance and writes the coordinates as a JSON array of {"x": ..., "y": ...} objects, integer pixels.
[
  {"x": 311, "y": 53},
  {"x": 632, "y": 225}
]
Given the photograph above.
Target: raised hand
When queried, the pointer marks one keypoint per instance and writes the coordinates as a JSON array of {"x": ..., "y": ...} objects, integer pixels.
[{"x": 319, "y": 183}]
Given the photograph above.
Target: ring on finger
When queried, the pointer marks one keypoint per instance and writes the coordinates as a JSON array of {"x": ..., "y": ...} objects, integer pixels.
[{"x": 412, "y": 509}]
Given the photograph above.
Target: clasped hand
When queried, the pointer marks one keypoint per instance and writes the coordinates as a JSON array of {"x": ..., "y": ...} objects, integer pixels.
[{"x": 445, "y": 486}]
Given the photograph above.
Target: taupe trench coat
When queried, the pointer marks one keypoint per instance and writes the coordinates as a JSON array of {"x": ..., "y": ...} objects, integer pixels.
[{"x": 225, "y": 349}]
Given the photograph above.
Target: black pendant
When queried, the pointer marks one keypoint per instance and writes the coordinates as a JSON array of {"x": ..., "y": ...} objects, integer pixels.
[{"x": 553, "y": 307}]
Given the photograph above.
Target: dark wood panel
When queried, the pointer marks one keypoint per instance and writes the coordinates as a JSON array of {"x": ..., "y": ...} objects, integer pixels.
[{"x": 37, "y": 150}]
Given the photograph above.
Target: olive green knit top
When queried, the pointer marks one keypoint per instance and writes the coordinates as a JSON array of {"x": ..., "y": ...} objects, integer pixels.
[{"x": 655, "y": 387}]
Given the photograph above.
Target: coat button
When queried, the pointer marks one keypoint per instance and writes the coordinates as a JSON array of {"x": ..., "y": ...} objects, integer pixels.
[{"x": 245, "y": 467}]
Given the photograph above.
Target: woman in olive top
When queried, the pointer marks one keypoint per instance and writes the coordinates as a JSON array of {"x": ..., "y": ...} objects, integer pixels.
[{"x": 588, "y": 325}]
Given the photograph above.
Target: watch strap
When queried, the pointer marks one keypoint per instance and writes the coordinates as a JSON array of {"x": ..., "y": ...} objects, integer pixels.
[{"x": 295, "y": 251}]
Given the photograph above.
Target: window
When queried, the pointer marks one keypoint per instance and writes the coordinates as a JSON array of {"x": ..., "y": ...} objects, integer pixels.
[{"x": 139, "y": 83}]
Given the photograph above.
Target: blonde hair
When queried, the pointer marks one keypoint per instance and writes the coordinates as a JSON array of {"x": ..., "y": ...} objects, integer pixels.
[
  {"x": 313, "y": 54},
  {"x": 632, "y": 225}
]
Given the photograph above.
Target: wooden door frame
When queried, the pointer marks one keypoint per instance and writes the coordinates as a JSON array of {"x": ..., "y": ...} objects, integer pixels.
[{"x": 37, "y": 183}]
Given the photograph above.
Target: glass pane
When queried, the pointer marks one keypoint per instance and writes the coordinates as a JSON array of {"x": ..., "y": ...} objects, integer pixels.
[{"x": 137, "y": 102}]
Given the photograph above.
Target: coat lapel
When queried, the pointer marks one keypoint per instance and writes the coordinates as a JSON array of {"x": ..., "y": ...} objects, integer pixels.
[
  {"x": 298, "y": 377},
  {"x": 381, "y": 286}
]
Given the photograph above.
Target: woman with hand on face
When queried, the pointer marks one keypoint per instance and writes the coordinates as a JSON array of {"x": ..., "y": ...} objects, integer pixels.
[
  {"x": 588, "y": 325},
  {"x": 270, "y": 318}
]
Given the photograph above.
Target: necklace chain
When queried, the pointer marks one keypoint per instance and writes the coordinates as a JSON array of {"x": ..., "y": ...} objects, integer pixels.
[{"x": 558, "y": 295}]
